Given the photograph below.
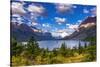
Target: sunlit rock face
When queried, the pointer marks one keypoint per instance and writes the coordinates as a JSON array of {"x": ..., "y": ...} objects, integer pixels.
[
  {"x": 86, "y": 29},
  {"x": 88, "y": 25},
  {"x": 88, "y": 22}
]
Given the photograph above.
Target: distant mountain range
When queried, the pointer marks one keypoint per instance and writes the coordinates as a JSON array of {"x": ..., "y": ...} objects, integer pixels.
[
  {"x": 85, "y": 30},
  {"x": 23, "y": 32}
]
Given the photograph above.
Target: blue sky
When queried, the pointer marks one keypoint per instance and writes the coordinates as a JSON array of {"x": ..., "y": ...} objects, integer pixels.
[{"x": 57, "y": 18}]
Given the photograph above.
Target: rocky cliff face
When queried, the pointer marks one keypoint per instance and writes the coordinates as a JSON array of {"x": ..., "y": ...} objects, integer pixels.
[
  {"x": 23, "y": 32},
  {"x": 86, "y": 29}
]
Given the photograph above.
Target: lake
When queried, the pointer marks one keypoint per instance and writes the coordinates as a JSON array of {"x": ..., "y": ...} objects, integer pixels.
[{"x": 51, "y": 44}]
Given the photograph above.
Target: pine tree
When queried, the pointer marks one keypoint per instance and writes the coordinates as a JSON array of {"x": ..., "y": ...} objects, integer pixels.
[
  {"x": 79, "y": 47},
  {"x": 16, "y": 48},
  {"x": 63, "y": 49},
  {"x": 33, "y": 47},
  {"x": 85, "y": 45},
  {"x": 55, "y": 52}
]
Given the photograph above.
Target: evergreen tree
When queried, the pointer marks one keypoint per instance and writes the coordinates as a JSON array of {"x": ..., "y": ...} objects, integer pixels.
[
  {"x": 44, "y": 53},
  {"x": 33, "y": 47},
  {"x": 75, "y": 48},
  {"x": 63, "y": 49},
  {"x": 16, "y": 48},
  {"x": 55, "y": 52},
  {"x": 91, "y": 50},
  {"x": 85, "y": 45},
  {"x": 79, "y": 48}
]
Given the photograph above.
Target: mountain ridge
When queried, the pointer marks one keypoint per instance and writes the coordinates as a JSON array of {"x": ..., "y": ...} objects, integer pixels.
[
  {"x": 23, "y": 32},
  {"x": 86, "y": 29}
]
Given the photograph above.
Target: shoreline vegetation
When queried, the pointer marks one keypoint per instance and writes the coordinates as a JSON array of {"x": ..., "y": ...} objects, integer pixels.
[{"x": 32, "y": 54}]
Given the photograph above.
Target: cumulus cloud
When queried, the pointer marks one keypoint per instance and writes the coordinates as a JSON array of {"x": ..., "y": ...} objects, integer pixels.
[
  {"x": 34, "y": 23},
  {"x": 79, "y": 21},
  {"x": 74, "y": 27},
  {"x": 13, "y": 20},
  {"x": 64, "y": 7},
  {"x": 60, "y": 20},
  {"x": 62, "y": 32},
  {"x": 74, "y": 6},
  {"x": 71, "y": 26},
  {"x": 33, "y": 16},
  {"x": 67, "y": 24},
  {"x": 46, "y": 25},
  {"x": 36, "y": 9},
  {"x": 85, "y": 11},
  {"x": 17, "y": 8},
  {"x": 16, "y": 18}
]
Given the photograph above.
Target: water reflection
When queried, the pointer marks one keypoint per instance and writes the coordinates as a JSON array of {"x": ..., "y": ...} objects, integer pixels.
[{"x": 51, "y": 44}]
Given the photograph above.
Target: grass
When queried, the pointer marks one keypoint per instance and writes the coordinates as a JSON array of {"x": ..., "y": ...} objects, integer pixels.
[
  {"x": 54, "y": 60},
  {"x": 60, "y": 56}
]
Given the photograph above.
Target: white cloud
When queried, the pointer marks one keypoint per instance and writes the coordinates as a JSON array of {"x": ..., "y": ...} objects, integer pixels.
[
  {"x": 16, "y": 18},
  {"x": 67, "y": 24},
  {"x": 74, "y": 6},
  {"x": 15, "y": 15},
  {"x": 46, "y": 25},
  {"x": 43, "y": 25},
  {"x": 45, "y": 31},
  {"x": 60, "y": 20},
  {"x": 19, "y": 18},
  {"x": 54, "y": 34},
  {"x": 64, "y": 7},
  {"x": 93, "y": 11},
  {"x": 13, "y": 20},
  {"x": 36, "y": 9},
  {"x": 17, "y": 8},
  {"x": 79, "y": 21},
  {"x": 33, "y": 16},
  {"x": 62, "y": 32},
  {"x": 34, "y": 23},
  {"x": 73, "y": 26},
  {"x": 85, "y": 11},
  {"x": 59, "y": 23}
]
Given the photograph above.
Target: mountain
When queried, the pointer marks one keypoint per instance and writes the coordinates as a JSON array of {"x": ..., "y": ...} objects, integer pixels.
[
  {"x": 86, "y": 29},
  {"x": 23, "y": 32},
  {"x": 89, "y": 20}
]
